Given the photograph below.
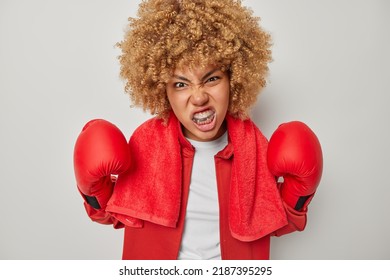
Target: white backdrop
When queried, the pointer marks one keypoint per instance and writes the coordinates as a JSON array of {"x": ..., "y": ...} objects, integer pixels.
[{"x": 58, "y": 69}]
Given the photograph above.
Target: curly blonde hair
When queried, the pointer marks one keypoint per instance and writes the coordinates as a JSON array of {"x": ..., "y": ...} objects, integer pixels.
[{"x": 170, "y": 34}]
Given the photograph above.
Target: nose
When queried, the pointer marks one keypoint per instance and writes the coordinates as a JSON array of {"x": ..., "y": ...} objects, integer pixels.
[{"x": 199, "y": 96}]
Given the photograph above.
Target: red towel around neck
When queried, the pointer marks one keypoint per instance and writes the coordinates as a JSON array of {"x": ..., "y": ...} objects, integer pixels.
[{"x": 151, "y": 189}]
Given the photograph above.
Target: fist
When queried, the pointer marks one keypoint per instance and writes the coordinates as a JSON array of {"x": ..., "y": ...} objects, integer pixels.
[
  {"x": 295, "y": 154},
  {"x": 101, "y": 152}
]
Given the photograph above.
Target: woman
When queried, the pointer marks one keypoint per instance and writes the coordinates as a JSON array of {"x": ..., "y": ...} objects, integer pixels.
[{"x": 198, "y": 180}]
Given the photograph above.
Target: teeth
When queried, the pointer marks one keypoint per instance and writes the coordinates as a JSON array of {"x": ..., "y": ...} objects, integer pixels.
[{"x": 203, "y": 117}]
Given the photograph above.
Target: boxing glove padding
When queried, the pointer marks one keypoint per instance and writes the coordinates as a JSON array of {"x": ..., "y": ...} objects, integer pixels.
[
  {"x": 294, "y": 153},
  {"x": 101, "y": 151}
]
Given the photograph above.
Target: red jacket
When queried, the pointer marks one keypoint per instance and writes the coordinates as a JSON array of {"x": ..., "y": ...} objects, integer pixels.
[{"x": 156, "y": 241}]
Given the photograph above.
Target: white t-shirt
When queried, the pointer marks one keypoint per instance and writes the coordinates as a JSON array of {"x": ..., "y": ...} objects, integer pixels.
[{"x": 201, "y": 238}]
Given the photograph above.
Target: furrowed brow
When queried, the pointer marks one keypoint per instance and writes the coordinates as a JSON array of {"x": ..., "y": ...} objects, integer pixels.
[
  {"x": 208, "y": 74},
  {"x": 182, "y": 78}
]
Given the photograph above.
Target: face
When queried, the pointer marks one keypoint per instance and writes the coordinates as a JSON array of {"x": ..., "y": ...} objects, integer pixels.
[{"x": 200, "y": 99}]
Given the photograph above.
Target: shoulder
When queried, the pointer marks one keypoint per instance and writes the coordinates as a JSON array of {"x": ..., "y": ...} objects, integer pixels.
[
  {"x": 155, "y": 139},
  {"x": 149, "y": 127},
  {"x": 156, "y": 128}
]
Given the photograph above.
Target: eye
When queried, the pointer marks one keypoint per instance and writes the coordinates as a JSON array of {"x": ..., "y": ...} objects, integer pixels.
[
  {"x": 213, "y": 79},
  {"x": 179, "y": 85}
]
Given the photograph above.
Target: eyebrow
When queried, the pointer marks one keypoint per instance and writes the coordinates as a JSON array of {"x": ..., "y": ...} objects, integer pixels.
[{"x": 204, "y": 76}]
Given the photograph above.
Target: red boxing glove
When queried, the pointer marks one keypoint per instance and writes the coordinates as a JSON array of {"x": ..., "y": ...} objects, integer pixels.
[
  {"x": 101, "y": 151},
  {"x": 294, "y": 153}
]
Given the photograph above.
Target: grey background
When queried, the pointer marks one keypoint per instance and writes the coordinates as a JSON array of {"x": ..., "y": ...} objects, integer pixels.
[{"x": 58, "y": 69}]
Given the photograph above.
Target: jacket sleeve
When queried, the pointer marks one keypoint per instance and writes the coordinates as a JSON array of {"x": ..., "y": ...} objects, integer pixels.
[
  {"x": 98, "y": 214},
  {"x": 102, "y": 217},
  {"x": 296, "y": 221}
]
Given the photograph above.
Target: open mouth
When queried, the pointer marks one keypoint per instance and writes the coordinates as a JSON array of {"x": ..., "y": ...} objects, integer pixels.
[{"x": 203, "y": 118}]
